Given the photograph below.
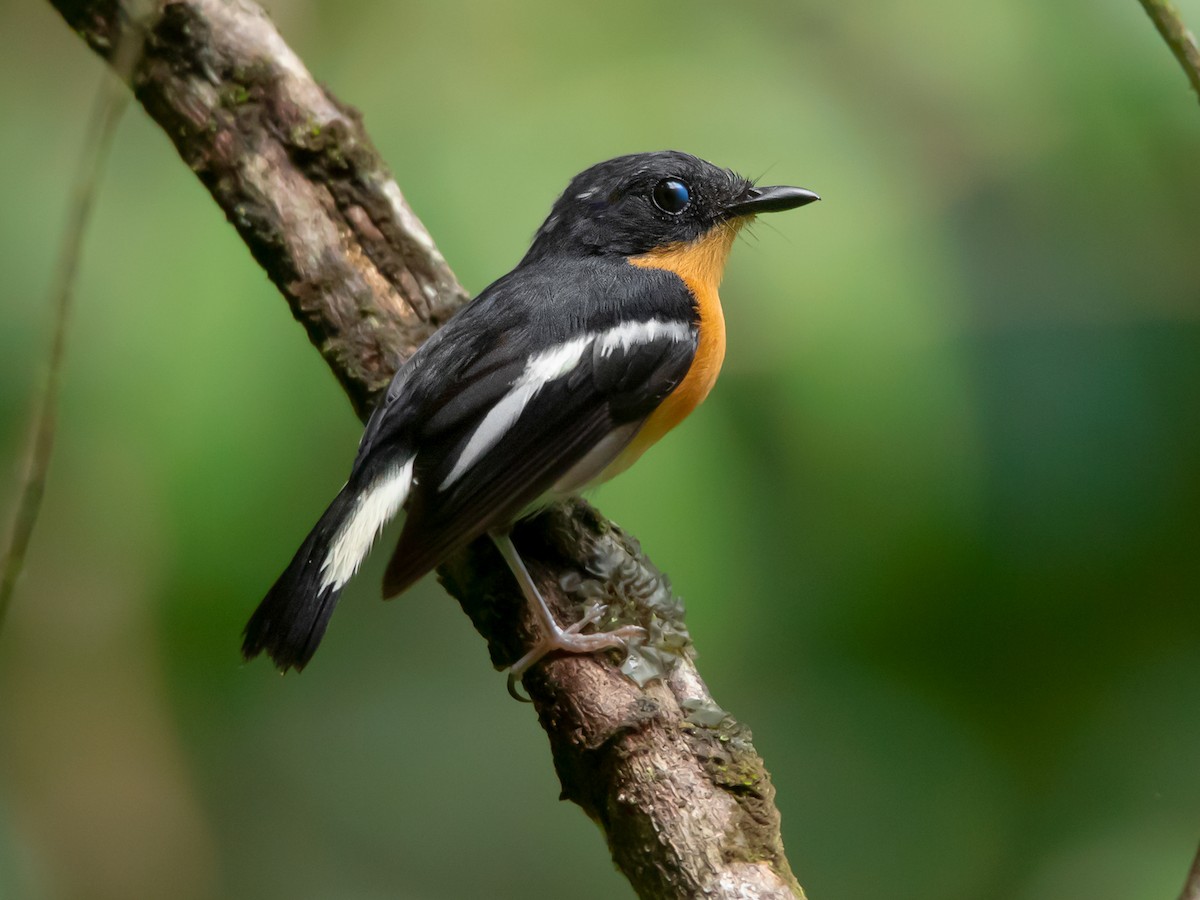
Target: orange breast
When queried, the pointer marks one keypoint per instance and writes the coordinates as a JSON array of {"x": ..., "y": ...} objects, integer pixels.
[{"x": 700, "y": 264}]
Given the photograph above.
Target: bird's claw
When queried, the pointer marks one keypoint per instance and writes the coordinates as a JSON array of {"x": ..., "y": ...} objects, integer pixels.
[{"x": 569, "y": 640}]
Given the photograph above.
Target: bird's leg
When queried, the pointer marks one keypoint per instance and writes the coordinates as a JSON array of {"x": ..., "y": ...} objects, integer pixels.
[{"x": 554, "y": 636}]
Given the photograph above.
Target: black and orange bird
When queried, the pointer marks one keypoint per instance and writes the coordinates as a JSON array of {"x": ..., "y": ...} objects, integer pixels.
[{"x": 556, "y": 378}]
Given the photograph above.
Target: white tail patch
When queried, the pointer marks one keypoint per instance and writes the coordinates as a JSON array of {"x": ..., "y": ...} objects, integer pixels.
[{"x": 374, "y": 508}]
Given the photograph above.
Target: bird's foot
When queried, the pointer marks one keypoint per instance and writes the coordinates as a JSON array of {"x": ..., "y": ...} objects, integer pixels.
[{"x": 569, "y": 640}]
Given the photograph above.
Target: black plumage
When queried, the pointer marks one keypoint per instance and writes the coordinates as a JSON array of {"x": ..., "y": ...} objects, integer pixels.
[{"x": 530, "y": 391}]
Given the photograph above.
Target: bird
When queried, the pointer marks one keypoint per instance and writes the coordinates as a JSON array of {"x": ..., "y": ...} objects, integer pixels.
[{"x": 555, "y": 378}]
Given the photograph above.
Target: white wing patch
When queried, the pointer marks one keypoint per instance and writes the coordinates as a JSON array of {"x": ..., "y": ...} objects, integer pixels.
[
  {"x": 547, "y": 367},
  {"x": 374, "y": 509},
  {"x": 555, "y": 362},
  {"x": 539, "y": 371},
  {"x": 631, "y": 333}
]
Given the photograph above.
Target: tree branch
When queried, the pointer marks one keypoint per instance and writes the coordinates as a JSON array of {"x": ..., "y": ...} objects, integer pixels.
[
  {"x": 1191, "y": 890},
  {"x": 1181, "y": 41},
  {"x": 685, "y": 802},
  {"x": 1183, "y": 46}
]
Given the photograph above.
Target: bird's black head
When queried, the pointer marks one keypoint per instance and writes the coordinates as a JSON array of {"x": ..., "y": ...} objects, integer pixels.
[{"x": 634, "y": 204}]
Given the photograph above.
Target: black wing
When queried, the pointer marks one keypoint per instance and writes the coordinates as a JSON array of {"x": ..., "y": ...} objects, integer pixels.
[
  {"x": 547, "y": 373},
  {"x": 486, "y": 452}
]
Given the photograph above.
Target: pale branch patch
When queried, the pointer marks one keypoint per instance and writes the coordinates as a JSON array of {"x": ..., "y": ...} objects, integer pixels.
[{"x": 688, "y": 809}]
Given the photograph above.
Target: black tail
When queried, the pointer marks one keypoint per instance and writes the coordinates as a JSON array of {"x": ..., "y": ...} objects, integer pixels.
[{"x": 291, "y": 619}]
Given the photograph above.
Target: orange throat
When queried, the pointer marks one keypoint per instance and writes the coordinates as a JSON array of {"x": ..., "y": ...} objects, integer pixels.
[{"x": 700, "y": 264}]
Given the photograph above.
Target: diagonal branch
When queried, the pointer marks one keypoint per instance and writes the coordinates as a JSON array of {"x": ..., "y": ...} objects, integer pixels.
[
  {"x": 1181, "y": 41},
  {"x": 687, "y": 807}
]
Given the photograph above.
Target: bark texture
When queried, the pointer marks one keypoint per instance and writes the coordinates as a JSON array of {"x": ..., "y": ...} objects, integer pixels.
[{"x": 687, "y": 807}]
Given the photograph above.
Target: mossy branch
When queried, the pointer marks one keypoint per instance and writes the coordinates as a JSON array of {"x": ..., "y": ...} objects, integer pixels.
[{"x": 685, "y": 802}]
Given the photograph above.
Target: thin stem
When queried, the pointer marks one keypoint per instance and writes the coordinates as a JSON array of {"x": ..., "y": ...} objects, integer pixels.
[
  {"x": 1183, "y": 45},
  {"x": 112, "y": 99},
  {"x": 1181, "y": 41}
]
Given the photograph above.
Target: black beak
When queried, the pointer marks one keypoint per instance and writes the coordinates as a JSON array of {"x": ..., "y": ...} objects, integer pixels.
[{"x": 770, "y": 199}]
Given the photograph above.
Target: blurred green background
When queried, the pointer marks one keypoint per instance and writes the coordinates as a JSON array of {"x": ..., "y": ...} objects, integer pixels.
[{"x": 938, "y": 527}]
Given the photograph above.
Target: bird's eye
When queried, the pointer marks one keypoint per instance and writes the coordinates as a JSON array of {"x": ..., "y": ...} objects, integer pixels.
[{"x": 672, "y": 196}]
